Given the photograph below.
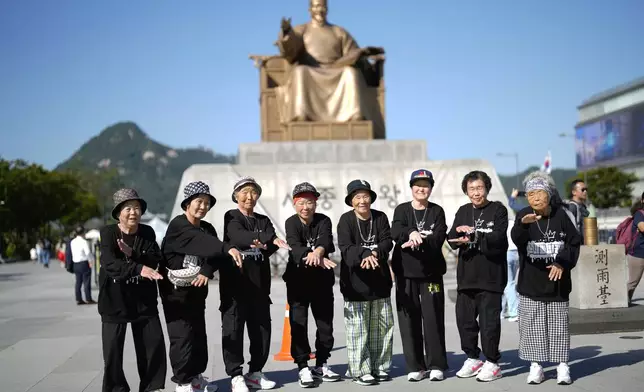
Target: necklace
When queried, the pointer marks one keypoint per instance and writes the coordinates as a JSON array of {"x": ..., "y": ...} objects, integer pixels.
[
  {"x": 475, "y": 221},
  {"x": 547, "y": 226},
  {"x": 250, "y": 225},
  {"x": 419, "y": 225},
  {"x": 370, "y": 236}
]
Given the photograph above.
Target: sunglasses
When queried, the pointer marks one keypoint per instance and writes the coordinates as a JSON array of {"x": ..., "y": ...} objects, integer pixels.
[{"x": 584, "y": 189}]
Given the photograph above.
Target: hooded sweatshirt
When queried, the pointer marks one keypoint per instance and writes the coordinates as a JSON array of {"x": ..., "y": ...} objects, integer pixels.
[
  {"x": 357, "y": 239},
  {"x": 124, "y": 295},
  {"x": 253, "y": 280},
  {"x": 482, "y": 265},
  {"x": 187, "y": 245},
  {"x": 552, "y": 239}
]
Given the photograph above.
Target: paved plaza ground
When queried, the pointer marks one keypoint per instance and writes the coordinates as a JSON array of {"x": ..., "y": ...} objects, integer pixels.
[{"x": 49, "y": 344}]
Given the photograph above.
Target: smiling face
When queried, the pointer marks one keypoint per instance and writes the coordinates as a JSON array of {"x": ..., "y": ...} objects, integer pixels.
[
  {"x": 318, "y": 10},
  {"x": 247, "y": 197},
  {"x": 361, "y": 202},
  {"x": 421, "y": 190},
  {"x": 130, "y": 214},
  {"x": 198, "y": 207},
  {"x": 538, "y": 200},
  {"x": 477, "y": 192},
  {"x": 305, "y": 207}
]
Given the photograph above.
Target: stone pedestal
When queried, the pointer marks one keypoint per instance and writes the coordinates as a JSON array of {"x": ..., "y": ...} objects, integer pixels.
[{"x": 599, "y": 279}]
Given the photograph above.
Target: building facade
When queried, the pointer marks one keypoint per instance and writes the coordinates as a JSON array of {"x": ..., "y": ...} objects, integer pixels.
[{"x": 610, "y": 131}]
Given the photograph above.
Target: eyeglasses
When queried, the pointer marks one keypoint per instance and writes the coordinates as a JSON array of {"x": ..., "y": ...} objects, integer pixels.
[{"x": 584, "y": 189}]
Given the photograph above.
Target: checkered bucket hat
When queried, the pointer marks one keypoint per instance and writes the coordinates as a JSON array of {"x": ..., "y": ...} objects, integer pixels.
[
  {"x": 305, "y": 187},
  {"x": 195, "y": 189},
  {"x": 123, "y": 195}
]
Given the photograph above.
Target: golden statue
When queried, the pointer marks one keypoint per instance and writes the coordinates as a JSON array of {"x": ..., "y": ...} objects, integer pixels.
[{"x": 328, "y": 73}]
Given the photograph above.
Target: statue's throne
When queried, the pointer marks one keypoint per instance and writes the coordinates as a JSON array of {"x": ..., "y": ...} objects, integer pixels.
[{"x": 273, "y": 71}]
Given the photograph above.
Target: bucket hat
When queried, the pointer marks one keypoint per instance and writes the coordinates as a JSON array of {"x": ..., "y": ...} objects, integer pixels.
[
  {"x": 358, "y": 185},
  {"x": 195, "y": 189},
  {"x": 123, "y": 195}
]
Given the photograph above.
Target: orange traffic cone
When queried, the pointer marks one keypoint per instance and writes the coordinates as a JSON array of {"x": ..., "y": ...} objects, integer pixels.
[{"x": 285, "y": 351}]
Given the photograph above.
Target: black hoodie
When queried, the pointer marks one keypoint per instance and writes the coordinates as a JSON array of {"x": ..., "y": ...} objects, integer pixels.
[
  {"x": 186, "y": 245},
  {"x": 482, "y": 265},
  {"x": 253, "y": 281},
  {"x": 551, "y": 239},
  {"x": 357, "y": 283},
  {"x": 303, "y": 239},
  {"x": 124, "y": 295}
]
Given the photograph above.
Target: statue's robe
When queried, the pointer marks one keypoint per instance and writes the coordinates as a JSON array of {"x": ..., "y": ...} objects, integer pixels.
[{"x": 325, "y": 82}]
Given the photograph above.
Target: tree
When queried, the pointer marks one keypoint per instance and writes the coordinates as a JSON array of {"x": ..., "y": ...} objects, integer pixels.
[{"x": 608, "y": 187}]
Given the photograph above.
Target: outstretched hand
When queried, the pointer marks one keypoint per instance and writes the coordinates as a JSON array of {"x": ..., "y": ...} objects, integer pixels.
[
  {"x": 125, "y": 248},
  {"x": 530, "y": 218}
]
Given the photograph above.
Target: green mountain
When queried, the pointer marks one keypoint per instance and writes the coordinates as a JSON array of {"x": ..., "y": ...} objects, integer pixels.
[{"x": 152, "y": 168}]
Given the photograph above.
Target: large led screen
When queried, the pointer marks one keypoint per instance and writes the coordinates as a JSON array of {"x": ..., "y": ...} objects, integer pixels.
[{"x": 615, "y": 139}]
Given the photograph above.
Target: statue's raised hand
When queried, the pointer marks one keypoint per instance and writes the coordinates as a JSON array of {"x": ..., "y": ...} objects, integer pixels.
[{"x": 286, "y": 25}]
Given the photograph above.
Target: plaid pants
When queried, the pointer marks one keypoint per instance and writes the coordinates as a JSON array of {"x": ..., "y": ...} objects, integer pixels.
[
  {"x": 370, "y": 336},
  {"x": 543, "y": 331}
]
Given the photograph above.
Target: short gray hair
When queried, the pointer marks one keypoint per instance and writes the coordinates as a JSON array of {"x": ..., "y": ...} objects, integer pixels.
[{"x": 538, "y": 180}]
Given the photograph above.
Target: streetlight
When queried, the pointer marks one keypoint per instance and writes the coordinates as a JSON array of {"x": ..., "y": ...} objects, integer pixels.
[
  {"x": 516, "y": 161},
  {"x": 583, "y": 148}
]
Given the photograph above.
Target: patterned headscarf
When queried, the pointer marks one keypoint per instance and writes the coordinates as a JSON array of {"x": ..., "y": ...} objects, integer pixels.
[{"x": 539, "y": 181}]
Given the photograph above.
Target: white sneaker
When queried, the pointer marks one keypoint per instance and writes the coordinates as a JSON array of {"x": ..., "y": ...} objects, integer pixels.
[
  {"x": 416, "y": 376},
  {"x": 513, "y": 319},
  {"x": 201, "y": 384},
  {"x": 257, "y": 380},
  {"x": 536, "y": 375},
  {"x": 563, "y": 374},
  {"x": 238, "y": 384},
  {"x": 325, "y": 373},
  {"x": 471, "y": 367},
  {"x": 436, "y": 375},
  {"x": 489, "y": 372},
  {"x": 381, "y": 376},
  {"x": 184, "y": 388},
  {"x": 306, "y": 378}
]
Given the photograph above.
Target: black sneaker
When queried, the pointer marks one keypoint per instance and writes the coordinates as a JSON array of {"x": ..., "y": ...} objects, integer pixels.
[
  {"x": 81, "y": 303},
  {"x": 365, "y": 380},
  {"x": 325, "y": 373}
]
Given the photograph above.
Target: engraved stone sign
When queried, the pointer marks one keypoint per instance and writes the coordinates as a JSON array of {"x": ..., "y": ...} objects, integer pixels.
[{"x": 599, "y": 279}]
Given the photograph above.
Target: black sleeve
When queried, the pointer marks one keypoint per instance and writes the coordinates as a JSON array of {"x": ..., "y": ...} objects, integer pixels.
[
  {"x": 299, "y": 250},
  {"x": 352, "y": 254},
  {"x": 212, "y": 262},
  {"x": 400, "y": 227},
  {"x": 569, "y": 254},
  {"x": 496, "y": 242},
  {"x": 151, "y": 256},
  {"x": 325, "y": 236},
  {"x": 439, "y": 234},
  {"x": 452, "y": 232},
  {"x": 520, "y": 232},
  {"x": 115, "y": 267},
  {"x": 192, "y": 241},
  {"x": 385, "y": 243},
  {"x": 267, "y": 236},
  {"x": 236, "y": 233}
]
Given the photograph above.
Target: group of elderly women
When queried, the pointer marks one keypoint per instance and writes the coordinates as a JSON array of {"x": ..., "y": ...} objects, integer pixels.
[{"x": 133, "y": 264}]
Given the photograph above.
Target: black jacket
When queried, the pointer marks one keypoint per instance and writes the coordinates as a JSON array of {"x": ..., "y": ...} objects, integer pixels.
[
  {"x": 551, "y": 239},
  {"x": 482, "y": 265},
  {"x": 427, "y": 262},
  {"x": 184, "y": 245},
  {"x": 303, "y": 239},
  {"x": 357, "y": 283},
  {"x": 124, "y": 295},
  {"x": 253, "y": 281}
]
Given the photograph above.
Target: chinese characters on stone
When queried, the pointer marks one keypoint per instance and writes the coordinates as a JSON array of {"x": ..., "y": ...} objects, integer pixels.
[{"x": 603, "y": 276}]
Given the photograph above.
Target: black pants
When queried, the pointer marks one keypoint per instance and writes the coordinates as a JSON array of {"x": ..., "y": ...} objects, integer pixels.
[
  {"x": 321, "y": 302},
  {"x": 256, "y": 315},
  {"x": 150, "y": 355},
  {"x": 83, "y": 278},
  {"x": 421, "y": 311},
  {"x": 485, "y": 305},
  {"x": 188, "y": 344}
]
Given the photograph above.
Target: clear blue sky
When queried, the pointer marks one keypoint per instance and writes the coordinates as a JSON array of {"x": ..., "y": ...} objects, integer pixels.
[{"x": 472, "y": 77}]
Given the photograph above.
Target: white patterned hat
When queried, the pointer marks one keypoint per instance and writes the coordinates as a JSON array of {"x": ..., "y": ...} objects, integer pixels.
[
  {"x": 195, "y": 189},
  {"x": 123, "y": 195}
]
